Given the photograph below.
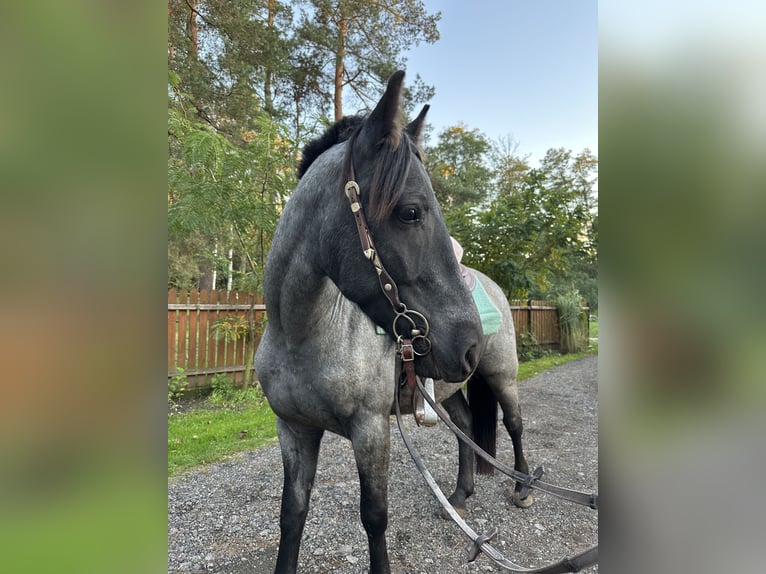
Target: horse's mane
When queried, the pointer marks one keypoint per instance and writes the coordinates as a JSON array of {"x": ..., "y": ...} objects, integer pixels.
[
  {"x": 391, "y": 169},
  {"x": 339, "y": 132}
]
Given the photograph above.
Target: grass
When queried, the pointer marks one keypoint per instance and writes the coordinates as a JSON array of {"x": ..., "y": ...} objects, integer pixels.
[
  {"x": 218, "y": 429},
  {"x": 532, "y": 368},
  {"x": 213, "y": 431}
]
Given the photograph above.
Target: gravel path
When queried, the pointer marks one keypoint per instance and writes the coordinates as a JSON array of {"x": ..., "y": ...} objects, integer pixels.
[{"x": 224, "y": 518}]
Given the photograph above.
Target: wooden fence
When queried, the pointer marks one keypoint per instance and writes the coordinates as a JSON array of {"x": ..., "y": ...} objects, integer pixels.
[
  {"x": 540, "y": 318},
  {"x": 195, "y": 351},
  {"x": 193, "y": 347}
]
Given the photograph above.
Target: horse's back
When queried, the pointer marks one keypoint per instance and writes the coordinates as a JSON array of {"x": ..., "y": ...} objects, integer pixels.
[{"x": 500, "y": 347}]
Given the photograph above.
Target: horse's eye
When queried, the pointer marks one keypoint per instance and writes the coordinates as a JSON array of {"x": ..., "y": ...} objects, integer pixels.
[{"x": 408, "y": 213}]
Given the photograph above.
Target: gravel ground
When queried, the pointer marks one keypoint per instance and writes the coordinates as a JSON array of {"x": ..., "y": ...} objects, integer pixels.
[{"x": 224, "y": 518}]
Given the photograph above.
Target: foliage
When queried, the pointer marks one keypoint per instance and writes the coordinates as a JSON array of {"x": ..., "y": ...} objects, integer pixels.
[
  {"x": 572, "y": 323},
  {"x": 225, "y": 197},
  {"x": 535, "y": 229},
  {"x": 363, "y": 43},
  {"x": 457, "y": 169},
  {"x": 226, "y": 393},
  {"x": 177, "y": 384},
  {"x": 529, "y": 349},
  {"x": 232, "y": 59},
  {"x": 231, "y": 328}
]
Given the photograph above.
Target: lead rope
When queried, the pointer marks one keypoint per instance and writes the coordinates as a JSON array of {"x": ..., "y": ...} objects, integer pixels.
[{"x": 481, "y": 543}]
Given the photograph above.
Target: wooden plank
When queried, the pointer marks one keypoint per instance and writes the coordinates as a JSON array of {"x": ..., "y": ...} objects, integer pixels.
[
  {"x": 202, "y": 339},
  {"x": 193, "y": 330},
  {"x": 239, "y": 355},
  {"x": 183, "y": 334},
  {"x": 210, "y": 340},
  {"x": 171, "y": 331},
  {"x": 224, "y": 346},
  {"x": 214, "y": 343},
  {"x": 211, "y": 370}
]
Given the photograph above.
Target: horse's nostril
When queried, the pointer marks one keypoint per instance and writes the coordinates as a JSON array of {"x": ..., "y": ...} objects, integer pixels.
[{"x": 471, "y": 359}]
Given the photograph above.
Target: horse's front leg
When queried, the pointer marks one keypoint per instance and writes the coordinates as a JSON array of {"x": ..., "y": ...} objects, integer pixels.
[
  {"x": 371, "y": 442},
  {"x": 458, "y": 410},
  {"x": 300, "y": 450}
]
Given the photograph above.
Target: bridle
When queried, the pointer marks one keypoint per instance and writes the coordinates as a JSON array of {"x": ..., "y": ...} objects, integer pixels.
[
  {"x": 414, "y": 325},
  {"x": 419, "y": 327}
]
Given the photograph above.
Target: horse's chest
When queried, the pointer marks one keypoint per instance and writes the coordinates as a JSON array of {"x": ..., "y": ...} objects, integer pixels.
[{"x": 317, "y": 384}]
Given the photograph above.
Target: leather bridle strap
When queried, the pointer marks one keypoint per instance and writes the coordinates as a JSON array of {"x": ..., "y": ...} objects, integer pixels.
[
  {"x": 387, "y": 284},
  {"x": 481, "y": 542}
]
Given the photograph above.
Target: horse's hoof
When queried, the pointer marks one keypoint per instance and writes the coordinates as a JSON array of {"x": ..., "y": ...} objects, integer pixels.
[
  {"x": 445, "y": 515},
  {"x": 522, "y": 502}
]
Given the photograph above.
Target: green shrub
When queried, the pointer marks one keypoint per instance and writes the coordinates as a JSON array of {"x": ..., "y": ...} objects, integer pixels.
[
  {"x": 529, "y": 349},
  {"x": 226, "y": 393},
  {"x": 177, "y": 384},
  {"x": 572, "y": 323}
]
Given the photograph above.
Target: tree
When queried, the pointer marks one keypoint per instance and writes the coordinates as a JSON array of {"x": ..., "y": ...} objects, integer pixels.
[
  {"x": 537, "y": 238},
  {"x": 232, "y": 59},
  {"x": 457, "y": 167},
  {"x": 362, "y": 43},
  {"x": 225, "y": 199},
  {"x": 228, "y": 195},
  {"x": 508, "y": 165}
]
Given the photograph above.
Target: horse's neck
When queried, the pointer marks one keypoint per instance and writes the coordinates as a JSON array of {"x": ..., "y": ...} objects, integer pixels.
[
  {"x": 298, "y": 293},
  {"x": 314, "y": 311},
  {"x": 294, "y": 285}
]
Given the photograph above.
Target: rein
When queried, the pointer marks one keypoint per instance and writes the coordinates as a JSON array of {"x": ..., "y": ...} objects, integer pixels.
[
  {"x": 406, "y": 351},
  {"x": 481, "y": 542}
]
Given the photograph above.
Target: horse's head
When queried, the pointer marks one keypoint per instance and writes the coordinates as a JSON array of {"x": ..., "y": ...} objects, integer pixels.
[{"x": 410, "y": 240}]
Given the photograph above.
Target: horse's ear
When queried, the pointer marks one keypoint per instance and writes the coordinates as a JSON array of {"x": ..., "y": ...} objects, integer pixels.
[
  {"x": 415, "y": 127},
  {"x": 383, "y": 122}
]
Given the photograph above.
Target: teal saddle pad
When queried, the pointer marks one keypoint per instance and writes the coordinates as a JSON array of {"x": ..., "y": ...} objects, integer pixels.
[{"x": 491, "y": 318}]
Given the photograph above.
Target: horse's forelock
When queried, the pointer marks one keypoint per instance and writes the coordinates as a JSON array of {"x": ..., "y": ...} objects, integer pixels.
[{"x": 392, "y": 166}]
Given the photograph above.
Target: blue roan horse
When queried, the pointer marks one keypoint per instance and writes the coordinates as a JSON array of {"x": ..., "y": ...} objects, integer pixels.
[{"x": 321, "y": 363}]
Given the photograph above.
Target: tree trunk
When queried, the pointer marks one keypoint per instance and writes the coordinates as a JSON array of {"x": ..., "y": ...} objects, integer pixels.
[
  {"x": 267, "y": 77},
  {"x": 205, "y": 276},
  {"x": 171, "y": 47},
  {"x": 191, "y": 26},
  {"x": 340, "y": 56}
]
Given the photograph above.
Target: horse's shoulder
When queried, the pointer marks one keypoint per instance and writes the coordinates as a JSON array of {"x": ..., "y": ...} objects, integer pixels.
[{"x": 339, "y": 132}]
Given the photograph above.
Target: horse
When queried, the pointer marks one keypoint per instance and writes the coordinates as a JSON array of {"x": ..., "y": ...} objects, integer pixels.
[{"x": 323, "y": 364}]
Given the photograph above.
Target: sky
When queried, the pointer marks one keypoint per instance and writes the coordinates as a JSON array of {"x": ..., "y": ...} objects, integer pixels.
[{"x": 526, "y": 69}]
